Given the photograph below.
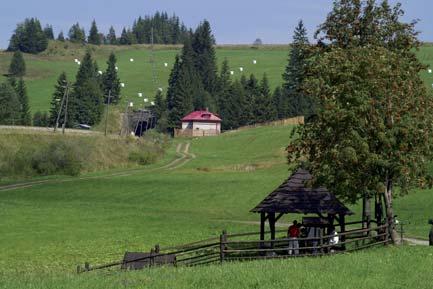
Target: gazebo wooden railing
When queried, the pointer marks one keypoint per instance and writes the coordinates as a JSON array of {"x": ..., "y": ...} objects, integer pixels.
[{"x": 247, "y": 246}]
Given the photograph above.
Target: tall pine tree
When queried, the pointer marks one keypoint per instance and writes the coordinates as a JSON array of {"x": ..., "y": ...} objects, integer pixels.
[
  {"x": 56, "y": 101},
  {"x": 17, "y": 68},
  {"x": 187, "y": 87},
  {"x": 76, "y": 34},
  {"x": 28, "y": 37},
  {"x": 110, "y": 80},
  {"x": 111, "y": 37},
  {"x": 24, "y": 112},
  {"x": 94, "y": 37},
  {"x": 61, "y": 37},
  {"x": 87, "y": 99},
  {"x": 205, "y": 60},
  {"x": 294, "y": 75},
  {"x": 264, "y": 109},
  {"x": 9, "y": 105},
  {"x": 49, "y": 33}
]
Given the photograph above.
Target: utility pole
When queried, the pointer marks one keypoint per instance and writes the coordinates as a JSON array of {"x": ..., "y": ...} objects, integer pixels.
[
  {"x": 107, "y": 110},
  {"x": 61, "y": 107},
  {"x": 66, "y": 109}
]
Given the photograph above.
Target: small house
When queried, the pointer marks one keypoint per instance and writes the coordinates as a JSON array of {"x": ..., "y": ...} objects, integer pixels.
[{"x": 200, "y": 123}]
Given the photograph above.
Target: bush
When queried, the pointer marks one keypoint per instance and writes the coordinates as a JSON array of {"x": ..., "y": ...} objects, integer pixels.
[
  {"x": 41, "y": 119},
  {"x": 57, "y": 158},
  {"x": 143, "y": 157}
]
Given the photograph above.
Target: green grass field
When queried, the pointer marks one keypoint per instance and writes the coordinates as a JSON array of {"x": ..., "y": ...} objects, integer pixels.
[
  {"x": 48, "y": 229},
  {"x": 43, "y": 69}
]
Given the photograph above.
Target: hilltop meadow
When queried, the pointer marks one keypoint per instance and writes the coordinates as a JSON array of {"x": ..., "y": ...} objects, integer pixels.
[{"x": 44, "y": 68}]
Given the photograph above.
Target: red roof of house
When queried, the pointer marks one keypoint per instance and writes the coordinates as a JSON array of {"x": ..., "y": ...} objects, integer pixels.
[{"x": 201, "y": 116}]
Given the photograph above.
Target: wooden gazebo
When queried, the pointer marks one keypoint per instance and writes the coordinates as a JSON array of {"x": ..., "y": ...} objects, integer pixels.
[{"x": 294, "y": 196}]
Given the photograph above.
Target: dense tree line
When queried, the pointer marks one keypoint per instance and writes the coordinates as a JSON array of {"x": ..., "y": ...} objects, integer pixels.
[
  {"x": 82, "y": 102},
  {"x": 195, "y": 83},
  {"x": 29, "y": 36}
]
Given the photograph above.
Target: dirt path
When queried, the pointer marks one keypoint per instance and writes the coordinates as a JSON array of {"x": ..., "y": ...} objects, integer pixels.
[
  {"x": 183, "y": 157},
  {"x": 413, "y": 241}
]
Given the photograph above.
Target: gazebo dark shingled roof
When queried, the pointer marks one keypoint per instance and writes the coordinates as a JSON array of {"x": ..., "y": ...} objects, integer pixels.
[{"x": 294, "y": 197}]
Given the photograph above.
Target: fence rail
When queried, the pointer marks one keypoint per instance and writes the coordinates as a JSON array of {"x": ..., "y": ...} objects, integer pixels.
[{"x": 230, "y": 247}]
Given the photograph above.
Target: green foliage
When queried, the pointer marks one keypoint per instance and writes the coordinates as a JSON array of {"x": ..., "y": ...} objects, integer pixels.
[
  {"x": 160, "y": 112},
  {"x": 28, "y": 37},
  {"x": 61, "y": 37},
  {"x": 41, "y": 119},
  {"x": 58, "y": 97},
  {"x": 280, "y": 103},
  {"x": 24, "y": 103},
  {"x": 166, "y": 30},
  {"x": 49, "y": 33},
  {"x": 364, "y": 23},
  {"x": 110, "y": 80},
  {"x": 87, "y": 98},
  {"x": 297, "y": 103},
  {"x": 9, "y": 105},
  {"x": 374, "y": 127},
  {"x": 111, "y": 36},
  {"x": 187, "y": 87},
  {"x": 204, "y": 58},
  {"x": 264, "y": 109},
  {"x": 76, "y": 34},
  {"x": 127, "y": 37},
  {"x": 17, "y": 68},
  {"x": 94, "y": 37}
]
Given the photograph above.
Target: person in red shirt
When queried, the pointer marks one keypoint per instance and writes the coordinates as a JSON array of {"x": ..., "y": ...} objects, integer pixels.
[{"x": 293, "y": 235}]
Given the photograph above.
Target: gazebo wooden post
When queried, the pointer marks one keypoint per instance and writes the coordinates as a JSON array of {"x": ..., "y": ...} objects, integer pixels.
[
  {"x": 262, "y": 226},
  {"x": 272, "y": 225}
]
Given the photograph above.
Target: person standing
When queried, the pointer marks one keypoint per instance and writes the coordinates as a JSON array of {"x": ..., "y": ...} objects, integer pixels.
[{"x": 293, "y": 235}]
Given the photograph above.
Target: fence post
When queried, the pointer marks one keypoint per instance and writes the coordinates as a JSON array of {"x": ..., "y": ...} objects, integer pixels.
[
  {"x": 223, "y": 239},
  {"x": 157, "y": 249},
  {"x": 321, "y": 244},
  {"x": 152, "y": 257},
  {"x": 387, "y": 234}
]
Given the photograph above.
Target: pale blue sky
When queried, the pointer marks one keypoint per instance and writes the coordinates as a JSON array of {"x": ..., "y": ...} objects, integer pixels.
[{"x": 233, "y": 21}]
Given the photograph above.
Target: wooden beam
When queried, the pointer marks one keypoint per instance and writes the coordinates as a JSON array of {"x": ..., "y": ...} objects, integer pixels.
[
  {"x": 279, "y": 216},
  {"x": 262, "y": 226},
  {"x": 272, "y": 224}
]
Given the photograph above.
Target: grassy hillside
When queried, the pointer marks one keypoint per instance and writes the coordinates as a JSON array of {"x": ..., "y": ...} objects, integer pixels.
[
  {"x": 43, "y": 69},
  {"x": 50, "y": 228}
]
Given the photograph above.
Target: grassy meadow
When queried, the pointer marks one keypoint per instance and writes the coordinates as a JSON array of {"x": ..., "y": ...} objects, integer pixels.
[
  {"x": 48, "y": 229},
  {"x": 43, "y": 69}
]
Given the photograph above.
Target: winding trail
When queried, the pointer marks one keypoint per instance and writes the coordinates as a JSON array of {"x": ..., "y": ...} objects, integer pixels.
[{"x": 183, "y": 157}]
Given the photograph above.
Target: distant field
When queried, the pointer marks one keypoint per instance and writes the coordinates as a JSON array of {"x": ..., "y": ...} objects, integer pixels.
[{"x": 44, "y": 69}]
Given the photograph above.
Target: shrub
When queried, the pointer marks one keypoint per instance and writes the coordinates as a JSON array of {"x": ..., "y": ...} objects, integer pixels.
[
  {"x": 58, "y": 157},
  {"x": 41, "y": 119},
  {"x": 143, "y": 157}
]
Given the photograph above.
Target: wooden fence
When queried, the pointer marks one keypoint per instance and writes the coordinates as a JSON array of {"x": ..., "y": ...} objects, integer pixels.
[
  {"x": 288, "y": 121},
  {"x": 237, "y": 247}
]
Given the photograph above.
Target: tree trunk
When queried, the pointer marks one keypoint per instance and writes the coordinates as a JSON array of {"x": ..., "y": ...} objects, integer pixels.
[
  {"x": 366, "y": 212},
  {"x": 390, "y": 213}
]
